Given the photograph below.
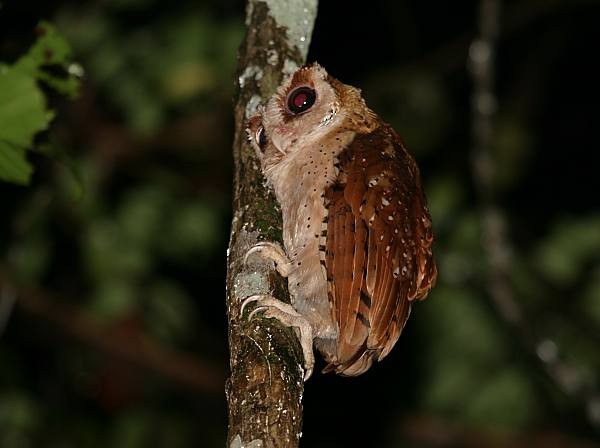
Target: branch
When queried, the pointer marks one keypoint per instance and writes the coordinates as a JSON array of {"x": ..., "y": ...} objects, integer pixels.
[
  {"x": 495, "y": 240},
  {"x": 423, "y": 430},
  {"x": 265, "y": 388},
  {"x": 137, "y": 349}
]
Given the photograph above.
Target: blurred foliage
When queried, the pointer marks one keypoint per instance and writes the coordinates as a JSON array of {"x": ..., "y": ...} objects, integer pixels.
[
  {"x": 131, "y": 227},
  {"x": 23, "y": 111},
  {"x": 147, "y": 72}
]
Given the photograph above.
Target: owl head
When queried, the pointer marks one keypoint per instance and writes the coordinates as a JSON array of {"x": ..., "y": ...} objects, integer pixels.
[{"x": 309, "y": 105}]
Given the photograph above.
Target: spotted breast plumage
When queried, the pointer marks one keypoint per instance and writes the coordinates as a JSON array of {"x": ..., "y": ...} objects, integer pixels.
[{"x": 357, "y": 233}]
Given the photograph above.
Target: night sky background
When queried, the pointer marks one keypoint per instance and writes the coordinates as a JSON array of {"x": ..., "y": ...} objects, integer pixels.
[{"x": 116, "y": 250}]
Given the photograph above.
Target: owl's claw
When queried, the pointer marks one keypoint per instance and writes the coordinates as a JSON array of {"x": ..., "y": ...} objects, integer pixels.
[
  {"x": 273, "y": 252},
  {"x": 288, "y": 316}
]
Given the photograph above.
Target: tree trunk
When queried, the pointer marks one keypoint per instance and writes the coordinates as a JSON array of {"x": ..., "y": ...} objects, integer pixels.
[{"x": 264, "y": 390}]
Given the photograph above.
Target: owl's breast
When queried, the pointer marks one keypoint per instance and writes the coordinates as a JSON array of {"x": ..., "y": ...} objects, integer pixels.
[{"x": 299, "y": 181}]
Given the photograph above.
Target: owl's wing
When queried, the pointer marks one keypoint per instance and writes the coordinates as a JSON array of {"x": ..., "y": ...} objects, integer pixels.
[{"x": 378, "y": 251}]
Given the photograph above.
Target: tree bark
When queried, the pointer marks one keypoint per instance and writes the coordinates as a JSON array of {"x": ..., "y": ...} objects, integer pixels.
[{"x": 264, "y": 390}]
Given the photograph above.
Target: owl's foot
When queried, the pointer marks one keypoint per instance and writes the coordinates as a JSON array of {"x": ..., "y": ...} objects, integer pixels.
[
  {"x": 288, "y": 316},
  {"x": 273, "y": 252}
]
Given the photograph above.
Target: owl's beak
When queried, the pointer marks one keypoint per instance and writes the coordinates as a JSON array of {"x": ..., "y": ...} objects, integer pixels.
[{"x": 277, "y": 141}]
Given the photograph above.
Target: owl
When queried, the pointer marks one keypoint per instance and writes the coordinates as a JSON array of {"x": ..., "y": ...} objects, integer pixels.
[{"x": 357, "y": 233}]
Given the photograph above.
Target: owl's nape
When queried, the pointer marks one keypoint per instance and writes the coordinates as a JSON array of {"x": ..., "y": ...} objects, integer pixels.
[{"x": 356, "y": 228}]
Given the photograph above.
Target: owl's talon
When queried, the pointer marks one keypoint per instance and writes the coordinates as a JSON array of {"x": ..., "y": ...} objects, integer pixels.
[
  {"x": 251, "y": 299},
  {"x": 288, "y": 316},
  {"x": 258, "y": 309},
  {"x": 273, "y": 252}
]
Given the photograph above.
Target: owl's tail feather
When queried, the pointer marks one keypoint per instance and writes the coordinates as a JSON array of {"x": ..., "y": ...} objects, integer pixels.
[{"x": 359, "y": 364}]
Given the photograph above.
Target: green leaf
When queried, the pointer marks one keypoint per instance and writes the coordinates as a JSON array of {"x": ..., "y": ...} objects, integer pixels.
[
  {"x": 13, "y": 165},
  {"x": 22, "y": 114},
  {"x": 23, "y": 109},
  {"x": 51, "y": 48}
]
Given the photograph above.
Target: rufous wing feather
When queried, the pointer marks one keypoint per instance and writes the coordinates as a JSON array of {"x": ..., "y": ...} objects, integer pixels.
[{"x": 378, "y": 251}]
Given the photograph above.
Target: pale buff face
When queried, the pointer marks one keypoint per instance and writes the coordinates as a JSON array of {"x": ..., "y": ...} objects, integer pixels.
[{"x": 283, "y": 131}]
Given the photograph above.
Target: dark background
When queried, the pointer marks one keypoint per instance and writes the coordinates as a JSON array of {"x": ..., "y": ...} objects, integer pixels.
[{"x": 127, "y": 239}]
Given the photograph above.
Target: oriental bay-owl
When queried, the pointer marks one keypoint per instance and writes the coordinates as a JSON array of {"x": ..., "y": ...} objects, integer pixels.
[{"x": 356, "y": 229}]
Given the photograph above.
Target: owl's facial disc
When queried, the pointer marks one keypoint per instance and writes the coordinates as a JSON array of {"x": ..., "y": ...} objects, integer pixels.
[{"x": 303, "y": 111}]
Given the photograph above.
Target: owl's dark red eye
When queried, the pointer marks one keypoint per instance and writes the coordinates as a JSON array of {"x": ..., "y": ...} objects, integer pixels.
[{"x": 301, "y": 99}]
